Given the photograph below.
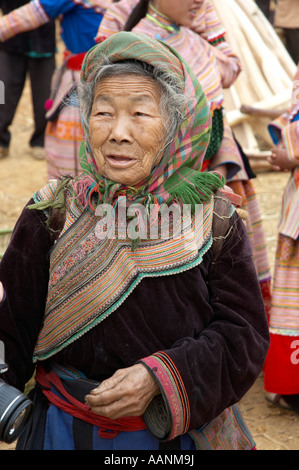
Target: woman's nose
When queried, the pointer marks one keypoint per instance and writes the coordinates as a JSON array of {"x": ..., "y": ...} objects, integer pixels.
[{"x": 121, "y": 130}]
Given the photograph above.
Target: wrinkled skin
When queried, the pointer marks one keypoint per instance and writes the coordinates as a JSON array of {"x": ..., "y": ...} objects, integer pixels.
[
  {"x": 127, "y": 393},
  {"x": 126, "y": 130}
]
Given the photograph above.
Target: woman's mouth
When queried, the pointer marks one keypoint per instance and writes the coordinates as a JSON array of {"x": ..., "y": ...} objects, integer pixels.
[
  {"x": 120, "y": 161},
  {"x": 193, "y": 12}
]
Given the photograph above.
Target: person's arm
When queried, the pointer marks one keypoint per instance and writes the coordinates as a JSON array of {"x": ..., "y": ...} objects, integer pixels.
[
  {"x": 285, "y": 136},
  {"x": 209, "y": 26},
  {"x": 290, "y": 139},
  {"x": 25, "y": 18},
  {"x": 228, "y": 62},
  {"x": 24, "y": 272},
  {"x": 114, "y": 18},
  {"x": 32, "y": 15},
  {"x": 279, "y": 159},
  {"x": 200, "y": 377}
]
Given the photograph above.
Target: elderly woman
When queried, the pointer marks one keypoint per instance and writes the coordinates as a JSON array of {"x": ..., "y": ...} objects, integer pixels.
[{"x": 139, "y": 342}]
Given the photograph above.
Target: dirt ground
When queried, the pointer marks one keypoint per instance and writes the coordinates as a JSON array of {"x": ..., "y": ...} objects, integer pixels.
[{"x": 20, "y": 176}]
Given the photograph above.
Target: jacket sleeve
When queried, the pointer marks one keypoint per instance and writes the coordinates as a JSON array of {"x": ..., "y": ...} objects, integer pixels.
[
  {"x": 228, "y": 61},
  {"x": 28, "y": 17},
  {"x": 290, "y": 138},
  {"x": 24, "y": 274},
  {"x": 114, "y": 18},
  {"x": 202, "y": 376}
]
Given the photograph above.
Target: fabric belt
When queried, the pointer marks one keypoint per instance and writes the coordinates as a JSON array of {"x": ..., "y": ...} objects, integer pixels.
[
  {"x": 51, "y": 383},
  {"x": 74, "y": 61}
]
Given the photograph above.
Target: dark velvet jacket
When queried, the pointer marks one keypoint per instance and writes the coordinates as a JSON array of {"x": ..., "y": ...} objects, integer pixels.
[{"x": 211, "y": 323}]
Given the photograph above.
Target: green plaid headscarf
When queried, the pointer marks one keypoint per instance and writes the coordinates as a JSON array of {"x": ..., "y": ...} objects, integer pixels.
[{"x": 177, "y": 176}]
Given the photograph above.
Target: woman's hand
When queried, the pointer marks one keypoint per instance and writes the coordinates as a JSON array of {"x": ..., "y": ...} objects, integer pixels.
[
  {"x": 127, "y": 393},
  {"x": 279, "y": 159},
  {"x": 199, "y": 29}
]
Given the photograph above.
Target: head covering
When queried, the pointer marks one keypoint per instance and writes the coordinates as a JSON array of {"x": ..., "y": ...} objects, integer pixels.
[
  {"x": 177, "y": 176},
  {"x": 91, "y": 277}
]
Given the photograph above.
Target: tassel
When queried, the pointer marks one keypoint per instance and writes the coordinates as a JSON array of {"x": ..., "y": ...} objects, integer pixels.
[
  {"x": 58, "y": 199},
  {"x": 193, "y": 187},
  {"x": 48, "y": 104}
]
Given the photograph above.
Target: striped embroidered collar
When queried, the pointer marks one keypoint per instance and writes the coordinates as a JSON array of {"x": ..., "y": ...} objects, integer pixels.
[{"x": 92, "y": 275}]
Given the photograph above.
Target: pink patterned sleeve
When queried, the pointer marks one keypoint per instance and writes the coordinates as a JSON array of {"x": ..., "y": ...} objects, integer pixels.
[
  {"x": 210, "y": 25},
  {"x": 28, "y": 17},
  {"x": 286, "y": 126},
  {"x": 208, "y": 20},
  {"x": 168, "y": 415},
  {"x": 290, "y": 138},
  {"x": 115, "y": 18}
]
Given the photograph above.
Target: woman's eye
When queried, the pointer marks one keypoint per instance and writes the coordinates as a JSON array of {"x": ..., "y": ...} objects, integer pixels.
[{"x": 140, "y": 113}]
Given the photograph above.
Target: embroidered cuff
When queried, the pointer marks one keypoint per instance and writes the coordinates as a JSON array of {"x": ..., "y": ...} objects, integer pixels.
[
  {"x": 168, "y": 415},
  {"x": 290, "y": 137},
  {"x": 275, "y": 127}
]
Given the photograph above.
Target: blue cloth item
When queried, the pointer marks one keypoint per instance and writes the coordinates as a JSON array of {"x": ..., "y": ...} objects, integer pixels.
[
  {"x": 275, "y": 132},
  {"x": 79, "y": 25},
  {"x": 59, "y": 436}
]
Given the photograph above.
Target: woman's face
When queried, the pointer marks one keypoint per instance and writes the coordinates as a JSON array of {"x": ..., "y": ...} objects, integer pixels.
[
  {"x": 182, "y": 12},
  {"x": 126, "y": 128}
]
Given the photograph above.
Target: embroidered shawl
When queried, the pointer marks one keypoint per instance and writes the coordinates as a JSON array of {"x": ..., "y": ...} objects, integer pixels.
[{"x": 91, "y": 271}]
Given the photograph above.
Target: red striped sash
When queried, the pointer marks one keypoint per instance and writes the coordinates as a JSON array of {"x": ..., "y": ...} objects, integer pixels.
[{"x": 108, "y": 428}]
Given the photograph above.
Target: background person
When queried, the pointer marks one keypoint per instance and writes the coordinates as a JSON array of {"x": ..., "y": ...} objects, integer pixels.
[
  {"x": 281, "y": 373},
  {"x": 31, "y": 53},
  {"x": 286, "y": 17}
]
